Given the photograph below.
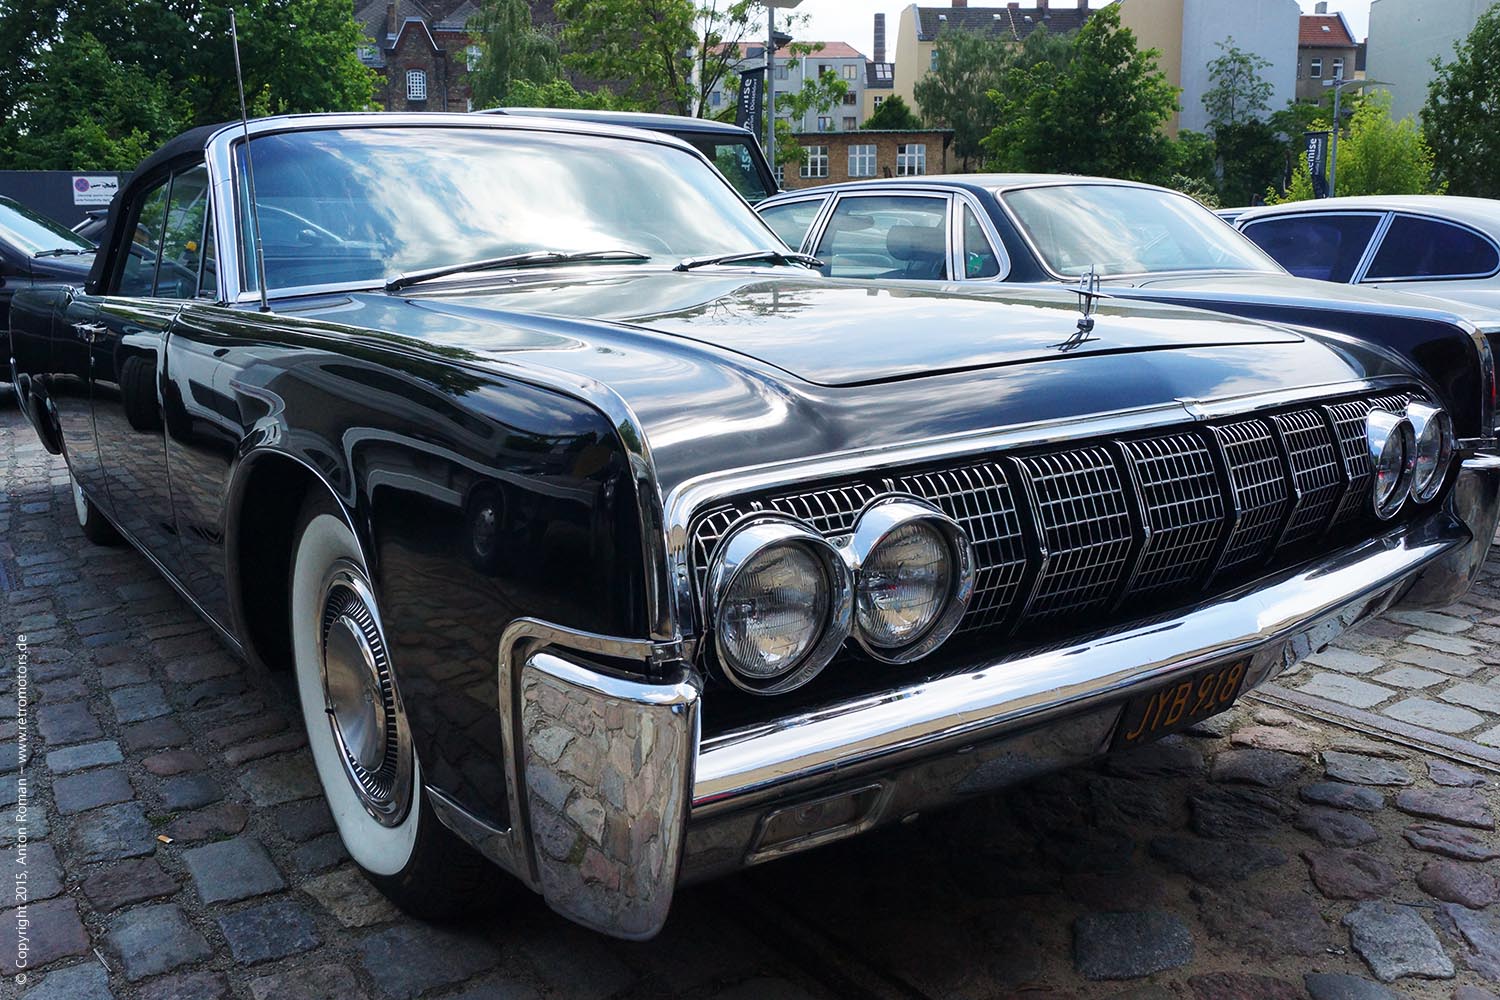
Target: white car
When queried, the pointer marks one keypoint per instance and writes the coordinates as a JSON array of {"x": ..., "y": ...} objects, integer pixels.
[{"x": 1434, "y": 244}]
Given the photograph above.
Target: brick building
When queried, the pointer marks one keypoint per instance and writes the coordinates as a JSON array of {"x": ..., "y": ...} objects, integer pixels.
[
  {"x": 832, "y": 157},
  {"x": 423, "y": 51}
]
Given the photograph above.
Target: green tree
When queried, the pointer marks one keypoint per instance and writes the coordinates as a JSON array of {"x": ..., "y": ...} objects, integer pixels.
[
  {"x": 1240, "y": 94},
  {"x": 665, "y": 55},
  {"x": 817, "y": 96},
  {"x": 970, "y": 64},
  {"x": 511, "y": 49},
  {"x": 1376, "y": 156},
  {"x": 1462, "y": 115},
  {"x": 298, "y": 55},
  {"x": 1101, "y": 114},
  {"x": 893, "y": 114},
  {"x": 558, "y": 94},
  {"x": 82, "y": 110}
]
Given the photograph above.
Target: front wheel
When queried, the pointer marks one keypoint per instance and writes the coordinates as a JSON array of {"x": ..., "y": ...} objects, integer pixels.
[
  {"x": 358, "y": 733},
  {"x": 96, "y": 527}
]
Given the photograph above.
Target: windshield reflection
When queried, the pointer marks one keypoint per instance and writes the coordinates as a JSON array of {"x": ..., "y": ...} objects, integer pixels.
[
  {"x": 361, "y": 204},
  {"x": 1119, "y": 230}
]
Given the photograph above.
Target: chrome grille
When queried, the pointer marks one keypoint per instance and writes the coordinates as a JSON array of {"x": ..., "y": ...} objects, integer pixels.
[
  {"x": 1317, "y": 473},
  {"x": 1349, "y": 429},
  {"x": 1260, "y": 490},
  {"x": 1107, "y": 524},
  {"x": 979, "y": 498},
  {"x": 1083, "y": 526},
  {"x": 1183, "y": 507}
]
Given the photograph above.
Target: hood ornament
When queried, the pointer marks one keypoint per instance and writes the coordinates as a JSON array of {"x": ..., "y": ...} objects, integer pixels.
[{"x": 1088, "y": 293}]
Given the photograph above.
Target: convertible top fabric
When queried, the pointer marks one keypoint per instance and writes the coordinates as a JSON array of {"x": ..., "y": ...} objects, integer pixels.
[{"x": 191, "y": 142}]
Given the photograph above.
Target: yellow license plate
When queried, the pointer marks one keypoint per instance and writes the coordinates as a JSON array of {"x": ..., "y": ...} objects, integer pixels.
[{"x": 1178, "y": 705}]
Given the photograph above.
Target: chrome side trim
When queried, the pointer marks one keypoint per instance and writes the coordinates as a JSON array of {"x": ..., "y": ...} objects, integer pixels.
[
  {"x": 978, "y": 701},
  {"x": 693, "y": 495}
]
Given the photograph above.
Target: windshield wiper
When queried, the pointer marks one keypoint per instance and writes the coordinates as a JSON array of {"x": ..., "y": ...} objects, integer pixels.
[
  {"x": 63, "y": 252},
  {"x": 530, "y": 259},
  {"x": 775, "y": 256}
]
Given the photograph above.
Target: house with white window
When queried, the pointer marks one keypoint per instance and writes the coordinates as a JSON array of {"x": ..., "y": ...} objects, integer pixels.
[
  {"x": 829, "y": 158},
  {"x": 794, "y": 68},
  {"x": 422, "y": 50},
  {"x": 1326, "y": 50}
]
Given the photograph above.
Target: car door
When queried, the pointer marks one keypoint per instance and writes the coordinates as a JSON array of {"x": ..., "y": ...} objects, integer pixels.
[
  {"x": 888, "y": 235},
  {"x": 793, "y": 220},
  {"x": 1417, "y": 250},
  {"x": 131, "y": 326},
  {"x": 1327, "y": 246}
]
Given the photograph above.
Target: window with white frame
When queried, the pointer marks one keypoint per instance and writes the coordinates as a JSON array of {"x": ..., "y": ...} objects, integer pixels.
[
  {"x": 783, "y": 71},
  {"x": 781, "y": 175},
  {"x": 1338, "y": 69},
  {"x": 471, "y": 57},
  {"x": 815, "y": 162},
  {"x": 825, "y": 123},
  {"x": 878, "y": 102},
  {"x": 911, "y": 159},
  {"x": 883, "y": 71},
  {"x": 851, "y": 98},
  {"x": 1315, "y": 69},
  {"x": 862, "y": 160},
  {"x": 850, "y": 72},
  {"x": 416, "y": 85},
  {"x": 850, "y": 123},
  {"x": 716, "y": 98}
]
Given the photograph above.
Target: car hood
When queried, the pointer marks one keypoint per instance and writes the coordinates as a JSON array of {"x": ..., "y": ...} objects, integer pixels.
[
  {"x": 1192, "y": 289},
  {"x": 722, "y": 368},
  {"x": 832, "y": 333}
]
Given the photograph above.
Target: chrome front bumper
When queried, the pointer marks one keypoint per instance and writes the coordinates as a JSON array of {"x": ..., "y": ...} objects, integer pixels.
[{"x": 616, "y": 799}]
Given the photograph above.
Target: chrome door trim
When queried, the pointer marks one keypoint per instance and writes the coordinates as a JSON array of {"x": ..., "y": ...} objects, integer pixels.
[
  {"x": 1474, "y": 230},
  {"x": 826, "y": 197},
  {"x": 934, "y": 193},
  {"x": 1371, "y": 248}
]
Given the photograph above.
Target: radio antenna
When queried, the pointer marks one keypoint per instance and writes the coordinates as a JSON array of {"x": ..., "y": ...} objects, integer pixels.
[{"x": 260, "y": 253}]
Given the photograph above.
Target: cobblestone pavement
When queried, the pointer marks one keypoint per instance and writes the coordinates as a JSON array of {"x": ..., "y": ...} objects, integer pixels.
[{"x": 179, "y": 848}]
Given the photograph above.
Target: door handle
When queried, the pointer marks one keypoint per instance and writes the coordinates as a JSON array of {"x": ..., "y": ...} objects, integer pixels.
[{"x": 88, "y": 332}]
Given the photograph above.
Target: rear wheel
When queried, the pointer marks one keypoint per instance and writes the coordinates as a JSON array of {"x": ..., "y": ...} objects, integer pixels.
[
  {"x": 96, "y": 527},
  {"x": 358, "y": 733}
]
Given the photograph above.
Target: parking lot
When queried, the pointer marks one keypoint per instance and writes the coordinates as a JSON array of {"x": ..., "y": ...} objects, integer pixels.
[{"x": 1334, "y": 835}]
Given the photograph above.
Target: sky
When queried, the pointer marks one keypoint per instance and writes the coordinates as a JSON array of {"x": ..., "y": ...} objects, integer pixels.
[{"x": 853, "y": 21}]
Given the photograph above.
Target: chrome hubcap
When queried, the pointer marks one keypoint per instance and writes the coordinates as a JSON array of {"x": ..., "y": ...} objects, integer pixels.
[{"x": 364, "y": 711}]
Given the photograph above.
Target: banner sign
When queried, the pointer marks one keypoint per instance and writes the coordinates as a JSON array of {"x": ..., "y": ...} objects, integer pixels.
[
  {"x": 1317, "y": 162},
  {"x": 94, "y": 190},
  {"x": 752, "y": 92}
]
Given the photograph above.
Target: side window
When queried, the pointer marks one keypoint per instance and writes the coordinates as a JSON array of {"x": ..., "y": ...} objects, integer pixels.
[
  {"x": 980, "y": 259},
  {"x": 1427, "y": 248},
  {"x": 208, "y": 276},
  {"x": 1326, "y": 247},
  {"x": 887, "y": 236},
  {"x": 791, "y": 221},
  {"x": 182, "y": 243},
  {"x": 138, "y": 274}
]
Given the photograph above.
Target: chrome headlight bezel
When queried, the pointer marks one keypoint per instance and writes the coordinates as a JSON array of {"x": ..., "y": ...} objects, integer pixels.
[
  {"x": 739, "y": 549},
  {"x": 1432, "y": 428},
  {"x": 879, "y": 521},
  {"x": 1392, "y": 444}
]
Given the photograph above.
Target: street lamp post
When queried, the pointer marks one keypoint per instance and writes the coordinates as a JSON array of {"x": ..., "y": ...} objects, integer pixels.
[
  {"x": 771, "y": 7},
  {"x": 1338, "y": 84}
]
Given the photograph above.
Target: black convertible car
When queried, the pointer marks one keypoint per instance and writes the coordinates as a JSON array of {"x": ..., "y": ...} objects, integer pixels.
[
  {"x": 36, "y": 252},
  {"x": 611, "y": 543}
]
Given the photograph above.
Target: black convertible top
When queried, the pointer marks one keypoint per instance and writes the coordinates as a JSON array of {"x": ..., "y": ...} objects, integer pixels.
[{"x": 193, "y": 141}]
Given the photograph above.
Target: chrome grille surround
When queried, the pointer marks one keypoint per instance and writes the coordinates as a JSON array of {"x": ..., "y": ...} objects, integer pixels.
[{"x": 1118, "y": 522}]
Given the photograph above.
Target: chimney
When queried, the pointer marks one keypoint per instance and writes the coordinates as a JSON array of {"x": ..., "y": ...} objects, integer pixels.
[
  {"x": 880, "y": 38},
  {"x": 960, "y": 3},
  {"x": 1041, "y": 6},
  {"x": 390, "y": 20},
  {"x": 1321, "y": 7},
  {"x": 1014, "y": 5},
  {"x": 1083, "y": 7}
]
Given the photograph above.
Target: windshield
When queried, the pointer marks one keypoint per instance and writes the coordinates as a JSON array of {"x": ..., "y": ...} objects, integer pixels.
[
  {"x": 363, "y": 204},
  {"x": 33, "y": 234},
  {"x": 1128, "y": 230}
]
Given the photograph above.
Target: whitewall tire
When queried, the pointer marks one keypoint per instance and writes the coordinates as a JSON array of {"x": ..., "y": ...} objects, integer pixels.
[{"x": 96, "y": 527}]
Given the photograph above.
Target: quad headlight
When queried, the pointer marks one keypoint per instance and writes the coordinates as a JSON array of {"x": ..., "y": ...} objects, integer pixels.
[
  {"x": 1393, "y": 446},
  {"x": 914, "y": 576},
  {"x": 779, "y": 598},
  {"x": 1433, "y": 430}
]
